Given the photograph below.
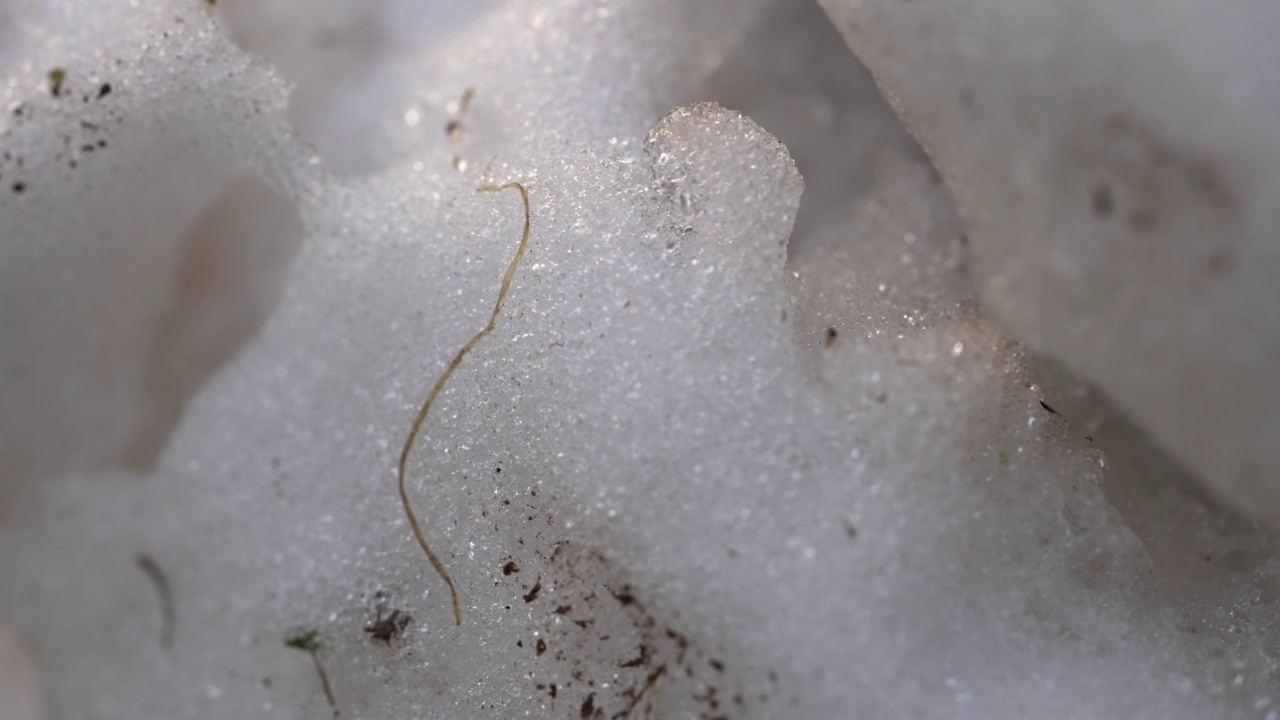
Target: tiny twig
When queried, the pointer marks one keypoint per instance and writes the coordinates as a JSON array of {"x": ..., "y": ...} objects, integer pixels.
[
  {"x": 457, "y": 131},
  {"x": 161, "y": 583},
  {"x": 324, "y": 681},
  {"x": 444, "y": 377},
  {"x": 309, "y": 642}
]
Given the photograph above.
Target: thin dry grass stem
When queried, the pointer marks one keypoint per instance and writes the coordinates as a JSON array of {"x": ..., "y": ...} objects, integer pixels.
[{"x": 444, "y": 378}]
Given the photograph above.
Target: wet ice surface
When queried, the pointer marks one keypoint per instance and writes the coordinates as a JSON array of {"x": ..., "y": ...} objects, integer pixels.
[{"x": 687, "y": 475}]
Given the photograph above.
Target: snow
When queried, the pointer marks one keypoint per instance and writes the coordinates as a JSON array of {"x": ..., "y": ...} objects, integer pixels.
[{"x": 743, "y": 441}]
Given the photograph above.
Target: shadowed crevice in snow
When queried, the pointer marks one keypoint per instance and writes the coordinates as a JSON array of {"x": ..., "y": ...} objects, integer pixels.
[{"x": 230, "y": 275}]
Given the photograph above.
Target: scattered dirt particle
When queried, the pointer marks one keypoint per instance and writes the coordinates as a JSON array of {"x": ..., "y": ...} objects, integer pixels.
[
  {"x": 1103, "y": 202},
  {"x": 19, "y": 188},
  {"x": 850, "y": 530},
  {"x": 1048, "y": 409},
  {"x": 456, "y": 130},
  {"x": 829, "y": 337},
  {"x": 510, "y": 567},
  {"x": 540, "y": 647},
  {"x": 104, "y": 90},
  {"x": 639, "y": 660},
  {"x": 533, "y": 592},
  {"x": 386, "y": 629},
  {"x": 588, "y": 709},
  {"x": 682, "y": 642}
]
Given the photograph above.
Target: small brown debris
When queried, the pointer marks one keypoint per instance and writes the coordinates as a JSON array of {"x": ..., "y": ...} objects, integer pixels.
[
  {"x": 457, "y": 131},
  {"x": 639, "y": 660},
  {"x": 850, "y": 530},
  {"x": 829, "y": 337},
  {"x": 161, "y": 583},
  {"x": 637, "y": 697},
  {"x": 1103, "y": 203},
  {"x": 389, "y": 628},
  {"x": 533, "y": 592},
  {"x": 540, "y": 647},
  {"x": 510, "y": 567}
]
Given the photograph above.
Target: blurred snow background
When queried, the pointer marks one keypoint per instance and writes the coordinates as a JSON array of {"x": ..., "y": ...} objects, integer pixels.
[{"x": 706, "y": 465}]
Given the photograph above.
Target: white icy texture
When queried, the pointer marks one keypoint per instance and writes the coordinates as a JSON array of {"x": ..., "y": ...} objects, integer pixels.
[
  {"x": 663, "y": 485},
  {"x": 1118, "y": 167},
  {"x": 121, "y": 274},
  {"x": 342, "y": 58}
]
